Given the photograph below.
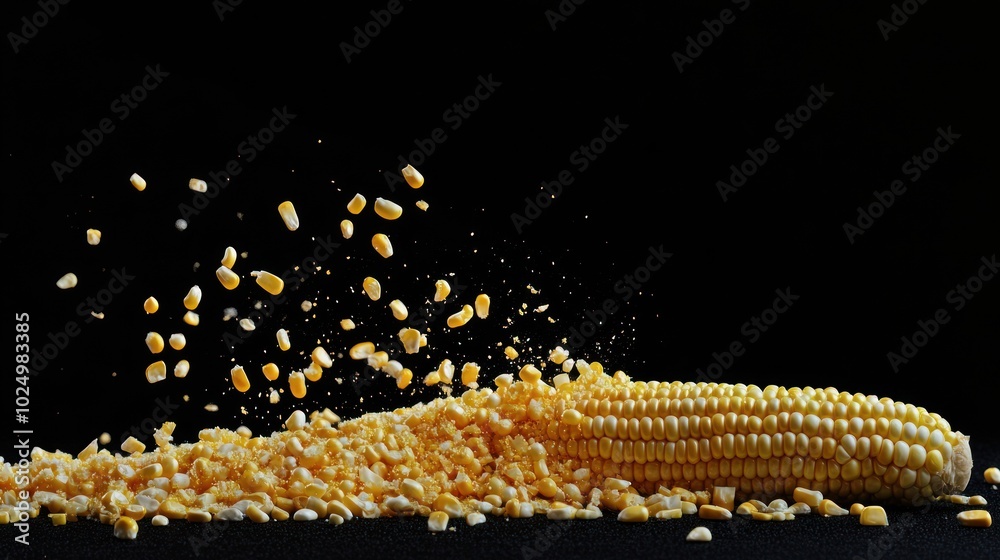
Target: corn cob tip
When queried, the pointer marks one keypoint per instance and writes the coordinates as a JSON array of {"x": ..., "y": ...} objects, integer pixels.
[{"x": 961, "y": 465}]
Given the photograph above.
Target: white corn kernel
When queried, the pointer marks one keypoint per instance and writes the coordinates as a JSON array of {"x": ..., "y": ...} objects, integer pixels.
[
  {"x": 372, "y": 287},
  {"x": 150, "y": 305},
  {"x": 305, "y": 515},
  {"x": 181, "y": 224},
  {"x": 182, "y": 368},
  {"x": 357, "y": 204},
  {"x": 192, "y": 318},
  {"x": 441, "y": 290},
  {"x": 160, "y": 521},
  {"x": 992, "y": 475},
  {"x": 138, "y": 182},
  {"x": 438, "y": 521},
  {"x": 230, "y": 514},
  {"x": 156, "y": 371},
  {"x": 482, "y": 306},
  {"x": 347, "y": 324},
  {"x": 413, "y": 177},
  {"x": 347, "y": 228},
  {"x": 387, "y": 209},
  {"x": 229, "y": 257},
  {"x": 271, "y": 283},
  {"x": 229, "y": 279},
  {"x": 287, "y": 211},
  {"x": 247, "y": 325},
  {"x": 240, "y": 380},
  {"x": 193, "y": 298},
  {"x": 381, "y": 243},
  {"x": 93, "y": 236},
  {"x": 283, "y": 341},
  {"x": 422, "y": 205},
  {"x": 699, "y": 534},
  {"x": 154, "y": 342},
  {"x": 67, "y": 281},
  {"x": 398, "y": 309},
  {"x": 475, "y": 518},
  {"x": 197, "y": 185},
  {"x": 335, "y": 519},
  {"x": 178, "y": 341}
]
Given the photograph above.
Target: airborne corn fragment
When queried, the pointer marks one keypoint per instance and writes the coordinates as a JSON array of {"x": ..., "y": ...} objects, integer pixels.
[
  {"x": 441, "y": 290},
  {"x": 156, "y": 371},
  {"x": 272, "y": 284},
  {"x": 229, "y": 257},
  {"x": 398, "y": 309},
  {"x": 387, "y": 209},
  {"x": 288, "y": 215},
  {"x": 240, "y": 379},
  {"x": 283, "y": 342},
  {"x": 347, "y": 228},
  {"x": 382, "y": 245},
  {"x": 413, "y": 177},
  {"x": 150, "y": 305},
  {"x": 193, "y": 298},
  {"x": 154, "y": 341},
  {"x": 197, "y": 185},
  {"x": 93, "y": 236},
  {"x": 178, "y": 341},
  {"x": 182, "y": 368},
  {"x": 992, "y": 475},
  {"x": 357, "y": 204},
  {"x": 482, "y": 306},
  {"x": 192, "y": 318},
  {"x": 229, "y": 279},
  {"x": 138, "y": 182},
  {"x": 372, "y": 287},
  {"x": 422, "y": 205},
  {"x": 270, "y": 371},
  {"x": 347, "y": 324},
  {"x": 461, "y": 317},
  {"x": 67, "y": 281}
]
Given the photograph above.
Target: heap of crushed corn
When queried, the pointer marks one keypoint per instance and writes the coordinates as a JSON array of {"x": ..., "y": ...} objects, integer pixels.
[{"x": 523, "y": 448}]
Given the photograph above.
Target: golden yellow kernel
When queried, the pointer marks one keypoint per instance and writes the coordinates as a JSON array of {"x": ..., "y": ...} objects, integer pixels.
[
  {"x": 283, "y": 342},
  {"x": 192, "y": 318},
  {"x": 470, "y": 374},
  {"x": 357, "y": 204},
  {"x": 874, "y": 515},
  {"x": 229, "y": 257},
  {"x": 240, "y": 380},
  {"x": 510, "y": 352},
  {"x": 151, "y": 305},
  {"x": 154, "y": 342},
  {"x": 441, "y": 290},
  {"x": 138, "y": 182},
  {"x": 388, "y": 209},
  {"x": 422, "y": 205},
  {"x": 156, "y": 371},
  {"x": 297, "y": 384},
  {"x": 992, "y": 475},
  {"x": 460, "y": 318},
  {"x": 530, "y": 374},
  {"x": 347, "y": 228},
  {"x": 125, "y": 527},
  {"x": 975, "y": 518},
  {"x": 178, "y": 341},
  {"x": 93, "y": 236},
  {"x": 404, "y": 379},
  {"x": 288, "y": 215},
  {"x": 413, "y": 177},
  {"x": 634, "y": 514},
  {"x": 229, "y": 279},
  {"x": 271, "y": 283},
  {"x": 398, "y": 310},
  {"x": 381, "y": 243},
  {"x": 856, "y": 508},
  {"x": 372, "y": 287},
  {"x": 347, "y": 324},
  {"x": 482, "y": 306},
  {"x": 361, "y": 350},
  {"x": 59, "y": 518},
  {"x": 270, "y": 371}
]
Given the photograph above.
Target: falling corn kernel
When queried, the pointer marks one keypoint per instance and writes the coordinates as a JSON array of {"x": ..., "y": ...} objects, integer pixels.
[
  {"x": 154, "y": 342},
  {"x": 306, "y": 306},
  {"x": 193, "y": 298},
  {"x": 157, "y": 371},
  {"x": 68, "y": 280},
  {"x": 247, "y": 325},
  {"x": 482, "y": 306},
  {"x": 138, "y": 182},
  {"x": 411, "y": 340},
  {"x": 229, "y": 257},
  {"x": 404, "y": 379},
  {"x": 530, "y": 374},
  {"x": 297, "y": 384},
  {"x": 975, "y": 518},
  {"x": 381, "y": 243},
  {"x": 398, "y": 309},
  {"x": 271, "y": 283},
  {"x": 283, "y": 341},
  {"x": 510, "y": 352},
  {"x": 182, "y": 368},
  {"x": 178, "y": 341},
  {"x": 197, "y": 185},
  {"x": 699, "y": 534},
  {"x": 192, "y": 318},
  {"x": 372, "y": 288},
  {"x": 357, "y": 204},
  {"x": 992, "y": 475},
  {"x": 441, "y": 290},
  {"x": 446, "y": 371},
  {"x": 270, "y": 371},
  {"x": 460, "y": 318},
  {"x": 874, "y": 516},
  {"x": 150, "y": 305},
  {"x": 361, "y": 350},
  {"x": 125, "y": 527},
  {"x": 413, "y": 177},
  {"x": 322, "y": 357},
  {"x": 422, "y": 205},
  {"x": 347, "y": 228},
  {"x": 132, "y": 445},
  {"x": 93, "y": 236},
  {"x": 240, "y": 380},
  {"x": 181, "y": 225},
  {"x": 387, "y": 209},
  {"x": 227, "y": 277},
  {"x": 287, "y": 211},
  {"x": 347, "y": 324},
  {"x": 470, "y": 374}
]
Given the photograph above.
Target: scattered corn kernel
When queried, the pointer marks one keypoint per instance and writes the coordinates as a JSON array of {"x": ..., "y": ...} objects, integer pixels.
[
  {"x": 470, "y": 374},
  {"x": 810, "y": 497},
  {"x": 160, "y": 521},
  {"x": 530, "y": 374},
  {"x": 93, "y": 236},
  {"x": 388, "y": 209},
  {"x": 229, "y": 257},
  {"x": 381, "y": 243},
  {"x": 357, "y": 204},
  {"x": 156, "y": 371},
  {"x": 271, "y": 283},
  {"x": 977, "y": 500},
  {"x": 510, "y": 352},
  {"x": 857, "y": 508},
  {"x": 674, "y": 513},
  {"x": 634, "y": 514},
  {"x": 67, "y": 281},
  {"x": 322, "y": 357},
  {"x": 138, "y": 182},
  {"x": 178, "y": 341},
  {"x": 151, "y": 305},
  {"x": 347, "y": 324},
  {"x": 197, "y": 185},
  {"x": 761, "y": 516},
  {"x": 482, "y": 306},
  {"x": 975, "y": 518},
  {"x": 361, "y": 350},
  {"x": 182, "y": 368},
  {"x": 193, "y": 298},
  {"x": 297, "y": 384},
  {"x": 441, "y": 290},
  {"x": 283, "y": 341},
  {"x": 287, "y": 211},
  {"x": 247, "y": 325},
  {"x": 708, "y": 511},
  {"x": 746, "y": 508},
  {"x": 154, "y": 342},
  {"x": 437, "y": 521},
  {"x": 132, "y": 445},
  {"x": 874, "y": 515},
  {"x": 699, "y": 534},
  {"x": 460, "y": 318},
  {"x": 372, "y": 287},
  {"x": 270, "y": 371},
  {"x": 829, "y": 508},
  {"x": 413, "y": 177},
  {"x": 229, "y": 279},
  {"x": 992, "y": 475},
  {"x": 192, "y": 318},
  {"x": 58, "y": 518},
  {"x": 422, "y": 205},
  {"x": 240, "y": 380},
  {"x": 398, "y": 310},
  {"x": 126, "y": 528},
  {"x": 347, "y": 228}
]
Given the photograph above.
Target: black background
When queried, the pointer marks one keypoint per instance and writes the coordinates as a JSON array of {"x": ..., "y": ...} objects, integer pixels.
[{"x": 654, "y": 186}]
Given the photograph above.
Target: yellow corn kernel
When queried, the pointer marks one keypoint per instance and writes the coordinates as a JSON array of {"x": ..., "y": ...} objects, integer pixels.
[
  {"x": 192, "y": 318},
  {"x": 347, "y": 324},
  {"x": 470, "y": 374},
  {"x": 297, "y": 384},
  {"x": 510, "y": 352},
  {"x": 59, "y": 518},
  {"x": 357, "y": 204},
  {"x": 288, "y": 215},
  {"x": 634, "y": 514},
  {"x": 828, "y": 507},
  {"x": 270, "y": 371},
  {"x": 279, "y": 514},
  {"x": 398, "y": 310},
  {"x": 856, "y": 508},
  {"x": 708, "y": 511},
  {"x": 229, "y": 279},
  {"x": 372, "y": 288},
  {"x": 874, "y": 515},
  {"x": 381, "y": 243},
  {"x": 699, "y": 534},
  {"x": 530, "y": 374},
  {"x": 674, "y": 513},
  {"x": 198, "y": 516},
  {"x": 182, "y": 368},
  {"x": 992, "y": 475},
  {"x": 441, "y": 290},
  {"x": 460, "y": 318},
  {"x": 93, "y": 236},
  {"x": 138, "y": 182},
  {"x": 388, "y": 209},
  {"x": 271, "y": 283},
  {"x": 125, "y": 527},
  {"x": 482, "y": 306},
  {"x": 240, "y": 380},
  {"x": 347, "y": 228},
  {"x": 404, "y": 379},
  {"x": 150, "y": 305},
  {"x": 412, "y": 177},
  {"x": 724, "y": 497},
  {"x": 446, "y": 371},
  {"x": 761, "y": 516},
  {"x": 229, "y": 257},
  {"x": 197, "y": 185},
  {"x": 975, "y": 518},
  {"x": 67, "y": 281},
  {"x": 745, "y": 509},
  {"x": 322, "y": 357},
  {"x": 812, "y": 498},
  {"x": 256, "y": 514},
  {"x": 132, "y": 445},
  {"x": 156, "y": 372},
  {"x": 977, "y": 500},
  {"x": 361, "y": 350},
  {"x": 178, "y": 341},
  {"x": 422, "y": 205},
  {"x": 437, "y": 521},
  {"x": 154, "y": 342},
  {"x": 283, "y": 342}
]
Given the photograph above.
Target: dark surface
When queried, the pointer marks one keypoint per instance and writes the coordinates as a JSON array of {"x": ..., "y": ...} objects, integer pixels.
[{"x": 654, "y": 187}]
